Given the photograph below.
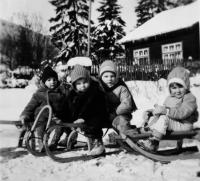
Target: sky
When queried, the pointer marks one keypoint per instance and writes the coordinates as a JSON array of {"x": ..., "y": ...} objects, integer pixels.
[{"x": 43, "y": 8}]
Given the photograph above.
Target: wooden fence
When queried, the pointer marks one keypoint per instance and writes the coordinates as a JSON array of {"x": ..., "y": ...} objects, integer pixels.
[{"x": 152, "y": 71}]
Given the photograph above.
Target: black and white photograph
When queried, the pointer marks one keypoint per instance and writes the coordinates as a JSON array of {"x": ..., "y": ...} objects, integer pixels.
[{"x": 94, "y": 90}]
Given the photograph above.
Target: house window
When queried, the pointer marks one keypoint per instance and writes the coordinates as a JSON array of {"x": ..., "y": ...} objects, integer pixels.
[
  {"x": 172, "y": 51},
  {"x": 141, "y": 56}
]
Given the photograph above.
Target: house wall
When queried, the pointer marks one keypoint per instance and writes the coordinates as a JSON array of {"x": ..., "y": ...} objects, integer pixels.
[{"x": 189, "y": 38}]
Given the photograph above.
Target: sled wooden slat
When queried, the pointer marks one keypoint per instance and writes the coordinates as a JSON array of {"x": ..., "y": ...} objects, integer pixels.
[
  {"x": 72, "y": 125},
  {"x": 170, "y": 136},
  {"x": 13, "y": 122},
  {"x": 181, "y": 135},
  {"x": 173, "y": 136}
]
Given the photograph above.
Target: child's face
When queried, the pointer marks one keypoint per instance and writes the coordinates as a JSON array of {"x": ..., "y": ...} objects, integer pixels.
[
  {"x": 51, "y": 82},
  {"x": 82, "y": 85},
  {"x": 109, "y": 78},
  {"x": 177, "y": 90}
]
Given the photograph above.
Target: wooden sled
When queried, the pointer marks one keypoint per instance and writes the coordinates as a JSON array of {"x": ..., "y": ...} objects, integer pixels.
[
  {"x": 164, "y": 156},
  {"x": 129, "y": 142}
]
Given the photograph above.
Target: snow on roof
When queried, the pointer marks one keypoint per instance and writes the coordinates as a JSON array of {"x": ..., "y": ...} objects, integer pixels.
[
  {"x": 84, "y": 61},
  {"x": 166, "y": 21}
]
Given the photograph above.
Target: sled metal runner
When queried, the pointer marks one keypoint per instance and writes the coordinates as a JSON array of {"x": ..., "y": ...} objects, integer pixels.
[
  {"x": 79, "y": 152},
  {"x": 128, "y": 142},
  {"x": 164, "y": 156}
]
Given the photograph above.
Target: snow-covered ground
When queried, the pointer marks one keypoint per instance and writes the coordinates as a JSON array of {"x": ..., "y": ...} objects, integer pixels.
[{"x": 19, "y": 165}]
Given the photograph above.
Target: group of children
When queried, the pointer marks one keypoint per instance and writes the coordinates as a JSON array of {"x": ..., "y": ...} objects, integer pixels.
[{"x": 107, "y": 102}]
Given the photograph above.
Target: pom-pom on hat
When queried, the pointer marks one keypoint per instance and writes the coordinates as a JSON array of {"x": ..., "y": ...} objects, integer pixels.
[
  {"x": 108, "y": 66},
  {"x": 79, "y": 72},
  {"x": 179, "y": 75},
  {"x": 48, "y": 72}
]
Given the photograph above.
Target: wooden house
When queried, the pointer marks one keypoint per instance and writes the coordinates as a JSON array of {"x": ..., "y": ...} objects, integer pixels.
[{"x": 171, "y": 34}]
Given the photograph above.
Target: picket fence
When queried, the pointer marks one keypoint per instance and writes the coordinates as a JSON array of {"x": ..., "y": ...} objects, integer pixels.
[{"x": 153, "y": 71}]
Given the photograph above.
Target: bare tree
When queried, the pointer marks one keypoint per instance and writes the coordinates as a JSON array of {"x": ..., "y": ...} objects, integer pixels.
[{"x": 32, "y": 46}]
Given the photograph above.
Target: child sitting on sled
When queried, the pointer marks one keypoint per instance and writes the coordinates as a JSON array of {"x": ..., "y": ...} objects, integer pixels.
[
  {"x": 120, "y": 103},
  {"x": 178, "y": 113},
  {"x": 86, "y": 102},
  {"x": 50, "y": 93}
]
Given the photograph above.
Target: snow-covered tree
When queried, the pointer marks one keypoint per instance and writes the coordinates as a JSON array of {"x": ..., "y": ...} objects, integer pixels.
[
  {"x": 146, "y": 9},
  {"x": 109, "y": 31},
  {"x": 69, "y": 27},
  {"x": 182, "y": 2}
]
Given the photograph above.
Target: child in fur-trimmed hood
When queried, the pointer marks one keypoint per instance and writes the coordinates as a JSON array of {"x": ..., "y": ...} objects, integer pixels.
[{"x": 178, "y": 112}]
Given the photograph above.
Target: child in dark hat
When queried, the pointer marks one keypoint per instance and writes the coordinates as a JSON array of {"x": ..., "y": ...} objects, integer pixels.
[
  {"x": 87, "y": 105},
  {"x": 50, "y": 93}
]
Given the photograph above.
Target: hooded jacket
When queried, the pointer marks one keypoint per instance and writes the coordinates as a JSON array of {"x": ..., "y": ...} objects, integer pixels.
[
  {"x": 119, "y": 98},
  {"x": 182, "y": 109}
]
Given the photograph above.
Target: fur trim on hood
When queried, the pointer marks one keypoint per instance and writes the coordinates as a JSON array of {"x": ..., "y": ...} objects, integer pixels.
[{"x": 179, "y": 75}]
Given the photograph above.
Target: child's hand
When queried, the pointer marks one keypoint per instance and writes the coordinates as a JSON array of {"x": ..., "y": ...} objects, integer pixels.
[
  {"x": 23, "y": 121},
  {"x": 159, "y": 110},
  {"x": 146, "y": 116},
  {"x": 79, "y": 121}
]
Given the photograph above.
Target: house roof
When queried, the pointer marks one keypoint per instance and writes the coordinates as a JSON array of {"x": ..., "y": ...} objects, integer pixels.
[{"x": 166, "y": 21}]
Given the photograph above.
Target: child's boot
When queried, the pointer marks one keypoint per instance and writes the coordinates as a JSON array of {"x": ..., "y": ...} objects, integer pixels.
[
  {"x": 150, "y": 144},
  {"x": 56, "y": 138},
  {"x": 98, "y": 149},
  {"x": 63, "y": 142}
]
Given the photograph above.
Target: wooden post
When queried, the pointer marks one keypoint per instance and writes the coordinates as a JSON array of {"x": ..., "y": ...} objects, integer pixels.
[
  {"x": 89, "y": 27},
  {"x": 199, "y": 32}
]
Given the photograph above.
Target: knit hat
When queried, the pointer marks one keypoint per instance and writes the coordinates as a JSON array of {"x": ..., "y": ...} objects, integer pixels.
[
  {"x": 47, "y": 73},
  {"x": 179, "y": 75},
  {"x": 79, "y": 72},
  {"x": 108, "y": 66}
]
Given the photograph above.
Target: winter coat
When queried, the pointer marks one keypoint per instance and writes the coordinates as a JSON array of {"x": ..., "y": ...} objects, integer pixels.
[
  {"x": 183, "y": 109},
  {"x": 90, "y": 105},
  {"x": 119, "y": 99},
  {"x": 56, "y": 98}
]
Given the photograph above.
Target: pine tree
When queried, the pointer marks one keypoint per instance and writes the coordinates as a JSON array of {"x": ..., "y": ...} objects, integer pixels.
[
  {"x": 109, "y": 31},
  {"x": 182, "y": 2},
  {"x": 69, "y": 31},
  {"x": 147, "y": 9}
]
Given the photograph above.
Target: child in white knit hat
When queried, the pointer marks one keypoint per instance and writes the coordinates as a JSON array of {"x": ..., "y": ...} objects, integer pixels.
[
  {"x": 120, "y": 102},
  {"x": 178, "y": 112}
]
